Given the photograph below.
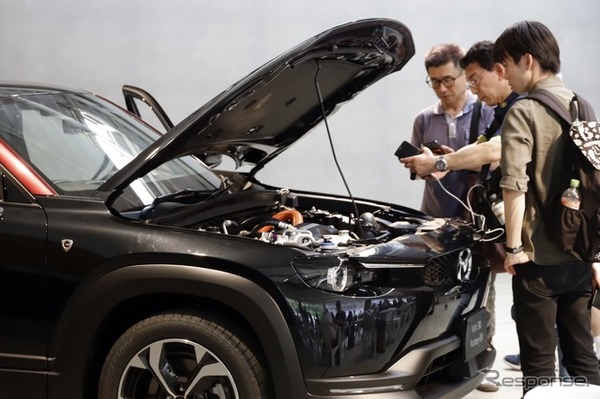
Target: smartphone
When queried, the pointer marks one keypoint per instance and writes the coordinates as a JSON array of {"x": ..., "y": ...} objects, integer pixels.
[
  {"x": 406, "y": 149},
  {"x": 433, "y": 145}
]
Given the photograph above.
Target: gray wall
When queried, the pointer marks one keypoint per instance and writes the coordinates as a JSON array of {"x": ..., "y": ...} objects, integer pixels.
[{"x": 187, "y": 51}]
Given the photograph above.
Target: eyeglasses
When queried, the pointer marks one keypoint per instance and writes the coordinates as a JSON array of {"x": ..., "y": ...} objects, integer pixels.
[
  {"x": 475, "y": 81},
  {"x": 448, "y": 81}
]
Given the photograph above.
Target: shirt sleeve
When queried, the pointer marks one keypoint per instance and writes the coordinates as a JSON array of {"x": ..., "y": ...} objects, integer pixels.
[{"x": 517, "y": 146}]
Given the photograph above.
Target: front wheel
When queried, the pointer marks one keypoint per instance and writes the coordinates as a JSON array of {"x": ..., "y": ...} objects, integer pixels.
[{"x": 181, "y": 356}]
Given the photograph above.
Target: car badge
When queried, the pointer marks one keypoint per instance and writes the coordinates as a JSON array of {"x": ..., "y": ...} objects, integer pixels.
[
  {"x": 464, "y": 266},
  {"x": 66, "y": 244}
]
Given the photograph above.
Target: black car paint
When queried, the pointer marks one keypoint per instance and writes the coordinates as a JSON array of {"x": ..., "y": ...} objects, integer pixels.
[
  {"x": 157, "y": 267},
  {"x": 67, "y": 302}
]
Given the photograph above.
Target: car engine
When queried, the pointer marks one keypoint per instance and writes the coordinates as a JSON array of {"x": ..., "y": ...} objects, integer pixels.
[{"x": 281, "y": 217}]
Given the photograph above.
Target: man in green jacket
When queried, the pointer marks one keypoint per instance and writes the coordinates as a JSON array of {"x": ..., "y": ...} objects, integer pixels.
[{"x": 549, "y": 285}]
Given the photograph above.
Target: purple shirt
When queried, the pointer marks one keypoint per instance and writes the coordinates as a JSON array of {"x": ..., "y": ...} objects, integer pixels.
[{"x": 433, "y": 124}]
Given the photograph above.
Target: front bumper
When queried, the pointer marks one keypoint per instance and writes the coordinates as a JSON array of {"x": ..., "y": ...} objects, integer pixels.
[{"x": 408, "y": 377}]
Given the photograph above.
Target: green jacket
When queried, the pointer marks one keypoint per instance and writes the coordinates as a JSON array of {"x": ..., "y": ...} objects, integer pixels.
[{"x": 531, "y": 143}]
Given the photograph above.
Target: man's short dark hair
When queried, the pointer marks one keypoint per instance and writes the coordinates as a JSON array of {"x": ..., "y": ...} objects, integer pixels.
[
  {"x": 481, "y": 53},
  {"x": 529, "y": 37},
  {"x": 442, "y": 54}
]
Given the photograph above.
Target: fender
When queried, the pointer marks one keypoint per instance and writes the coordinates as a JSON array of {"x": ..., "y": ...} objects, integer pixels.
[{"x": 124, "y": 283}]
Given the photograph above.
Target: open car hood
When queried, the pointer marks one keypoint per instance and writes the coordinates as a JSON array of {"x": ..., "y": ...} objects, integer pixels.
[{"x": 263, "y": 114}]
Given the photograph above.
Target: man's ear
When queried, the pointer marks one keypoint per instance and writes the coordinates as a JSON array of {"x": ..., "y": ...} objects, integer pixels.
[
  {"x": 528, "y": 60},
  {"x": 499, "y": 69}
]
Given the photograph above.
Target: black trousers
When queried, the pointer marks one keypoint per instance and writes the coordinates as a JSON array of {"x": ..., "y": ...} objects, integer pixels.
[{"x": 545, "y": 296}]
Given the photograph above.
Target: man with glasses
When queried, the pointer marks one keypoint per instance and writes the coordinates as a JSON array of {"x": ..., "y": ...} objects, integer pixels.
[
  {"x": 448, "y": 122},
  {"x": 485, "y": 78}
]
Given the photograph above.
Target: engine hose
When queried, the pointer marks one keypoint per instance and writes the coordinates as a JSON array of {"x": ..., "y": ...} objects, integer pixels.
[
  {"x": 269, "y": 224},
  {"x": 291, "y": 216}
]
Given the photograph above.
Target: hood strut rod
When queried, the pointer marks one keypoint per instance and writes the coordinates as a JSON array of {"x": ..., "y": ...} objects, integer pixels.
[{"x": 318, "y": 89}]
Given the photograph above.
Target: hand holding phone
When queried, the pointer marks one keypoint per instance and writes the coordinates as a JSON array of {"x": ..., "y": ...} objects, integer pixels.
[
  {"x": 406, "y": 149},
  {"x": 435, "y": 147}
]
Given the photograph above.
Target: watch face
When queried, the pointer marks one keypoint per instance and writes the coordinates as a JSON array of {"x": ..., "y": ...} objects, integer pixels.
[{"x": 441, "y": 164}]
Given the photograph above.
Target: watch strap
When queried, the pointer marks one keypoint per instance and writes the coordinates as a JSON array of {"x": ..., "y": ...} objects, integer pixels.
[{"x": 515, "y": 250}]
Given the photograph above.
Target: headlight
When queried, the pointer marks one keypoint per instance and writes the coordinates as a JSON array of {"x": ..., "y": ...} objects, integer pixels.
[{"x": 333, "y": 274}]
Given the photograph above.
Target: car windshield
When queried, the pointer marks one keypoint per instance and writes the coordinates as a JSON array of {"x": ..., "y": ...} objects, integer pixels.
[{"x": 77, "y": 141}]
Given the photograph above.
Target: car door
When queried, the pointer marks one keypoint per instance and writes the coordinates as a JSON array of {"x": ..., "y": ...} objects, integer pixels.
[
  {"x": 23, "y": 291},
  {"x": 142, "y": 104},
  {"x": 134, "y": 96}
]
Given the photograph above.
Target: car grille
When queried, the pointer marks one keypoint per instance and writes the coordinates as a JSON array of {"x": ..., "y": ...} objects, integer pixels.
[{"x": 441, "y": 270}]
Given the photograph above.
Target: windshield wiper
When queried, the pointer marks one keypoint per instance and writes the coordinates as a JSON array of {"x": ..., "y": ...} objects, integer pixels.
[{"x": 188, "y": 196}]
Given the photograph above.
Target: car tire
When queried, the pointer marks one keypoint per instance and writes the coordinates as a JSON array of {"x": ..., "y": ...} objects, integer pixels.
[{"x": 181, "y": 355}]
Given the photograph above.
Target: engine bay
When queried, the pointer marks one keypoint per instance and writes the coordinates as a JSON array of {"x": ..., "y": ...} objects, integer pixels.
[{"x": 303, "y": 220}]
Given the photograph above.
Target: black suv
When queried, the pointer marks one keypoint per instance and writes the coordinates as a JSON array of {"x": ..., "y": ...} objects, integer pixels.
[{"x": 132, "y": 267}]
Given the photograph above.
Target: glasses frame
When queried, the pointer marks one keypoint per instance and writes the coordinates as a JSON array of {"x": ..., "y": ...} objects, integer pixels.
[
  {"x": 476, "y": 80},
  {"x": 448, "y": 81}
]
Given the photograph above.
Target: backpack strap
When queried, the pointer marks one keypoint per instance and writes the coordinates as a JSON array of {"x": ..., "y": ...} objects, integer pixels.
[
  {"x": 475, "y": 117},
  {"x": 474, "y": 134},
  {"x": 580, "y": 108},
  {"x": 550, "y": 100},
  {"x": 488, "y": 133}
]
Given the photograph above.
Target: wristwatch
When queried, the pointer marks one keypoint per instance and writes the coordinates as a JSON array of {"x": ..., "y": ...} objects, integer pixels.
[
  {"x": 441, "y": 164},
  {"x": 514, "y": 250}
]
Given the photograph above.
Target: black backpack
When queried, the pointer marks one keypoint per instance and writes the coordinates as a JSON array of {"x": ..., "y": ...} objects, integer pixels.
[{"x": 575, "y": 231}]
